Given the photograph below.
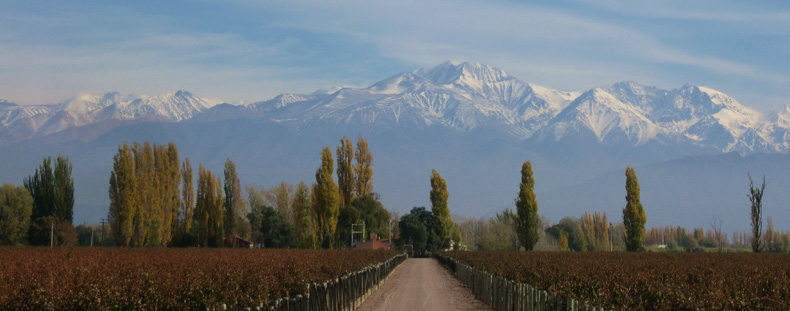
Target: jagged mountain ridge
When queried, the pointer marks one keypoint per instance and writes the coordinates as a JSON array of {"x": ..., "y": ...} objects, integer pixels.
[
  {"x": 23, "y": 122},
  {"x": 459, "y": 96}
]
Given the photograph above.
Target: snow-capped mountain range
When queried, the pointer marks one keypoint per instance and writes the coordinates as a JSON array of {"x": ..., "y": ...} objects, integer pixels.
[
  {"x": 19, "y": 122},
  {"x": 459, "y": 96}
]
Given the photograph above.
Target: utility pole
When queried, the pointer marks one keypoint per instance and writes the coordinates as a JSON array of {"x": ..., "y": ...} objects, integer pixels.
[
  {"x": 51, "y": 235},
  {"x": 92, "y": 230},
  {"x": 102, "y": 230}
]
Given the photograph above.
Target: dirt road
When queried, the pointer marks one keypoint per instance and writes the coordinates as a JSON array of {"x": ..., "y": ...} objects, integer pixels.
[{"x": 422, "y": 284}]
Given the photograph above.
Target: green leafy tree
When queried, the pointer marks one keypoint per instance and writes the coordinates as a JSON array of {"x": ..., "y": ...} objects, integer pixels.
[
  {"x": 326, "y": 201},
  {"x": 634, "y": 217},
  {"x": 456, "y": 236},
  {"x": 440, "y": 210},
  {"x": 563, "y": 241},
  {"x": 256, "y": 201},
  {"x": 349, "y": 215},
  {"x": 365, "y": 210},
  {"x": 52, "y": 191},
  {"x": 528, "y": 221},
  {"x": 208, "y": 209},
  {"x": 756, "y": 198},
  {"x": 64, "y": 190},
  {"x": 145, "y": 179},
  {"x": 16, "y": 206},
  {"x": 345, "y": 171},
  {"x": 415, "y": 229},
  {"x": 187, "y": 200},
  {"x": 304, "y": 216},
  {"x": 277, "y": 232},
  {"x": 687, "y": 242},
  {"x": 169, "y": 179},
  {"x": 41, "y": 186},
  {"x": 572, "y": 229},
  {"x": 123, "y": 196},
  {"x": 234, "y": 205},
  {"x": 363, "y": 168}
]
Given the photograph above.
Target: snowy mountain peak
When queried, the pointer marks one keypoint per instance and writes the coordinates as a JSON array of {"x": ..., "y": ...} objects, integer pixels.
[
  {"x": 464, "y": 74},
  {"x": 781, "y": 117},
  {"x": 6, "y": 104}
]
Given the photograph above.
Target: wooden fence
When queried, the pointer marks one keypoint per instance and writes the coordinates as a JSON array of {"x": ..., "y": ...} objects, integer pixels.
[
  {"x": 341, "y": 294},
  {"x": 507, "y": 295}
]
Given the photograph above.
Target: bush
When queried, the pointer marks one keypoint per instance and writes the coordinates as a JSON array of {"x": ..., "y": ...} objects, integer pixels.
[
  {"x": 707, "y": 242},
  {"x": 672, "y": 245},
  {"x": 42, "y": 228},
  {"x": 687, "y": 242}
]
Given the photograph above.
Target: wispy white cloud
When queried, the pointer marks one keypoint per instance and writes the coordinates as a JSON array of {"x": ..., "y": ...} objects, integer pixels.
[{"x": 259, "y": 49}]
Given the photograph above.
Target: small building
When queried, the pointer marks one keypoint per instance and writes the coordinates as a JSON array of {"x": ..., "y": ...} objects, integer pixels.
[
  {"x": 374, "y": 243},
  {"x": 239, "y": 242}
]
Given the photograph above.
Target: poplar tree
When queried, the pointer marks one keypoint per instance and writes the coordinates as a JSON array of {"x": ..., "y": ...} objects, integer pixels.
[
  {"x": 326, "y": 201},
  {"x": 160, "y": 222},
  {"x": 63, "y": 190},
  {"x": 441, "y": 212},
  {"x": 144, "y": 179},
  {"x": 363, "y": 168},
  {"x": 634, "y": 217},
  {"x": 52, "y": 192},
  {"x": 187, "y": 196},
  {"x": 42, "y": 188},
  {"x": 756, "y": 198},
  {"x": 203, "y": 204},
  {"x": 233, "y": 201},
  {"x": 217, "y": 230},
  {"x": 304, "y": 218},
  {"x": 528, "y": 222},
  {"x": 123, "y": 196},
  {"x": 345, "y": 171},
  {"x": 208, "y": 209},
  {"x": 172, "y": 194}
]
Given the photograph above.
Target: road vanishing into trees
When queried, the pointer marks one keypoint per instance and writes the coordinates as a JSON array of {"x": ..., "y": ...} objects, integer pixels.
[{"x": 422, "y": 284}]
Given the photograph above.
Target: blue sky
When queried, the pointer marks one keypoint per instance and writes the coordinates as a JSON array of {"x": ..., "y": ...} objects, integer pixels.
[{"x": 248, "y": 50}]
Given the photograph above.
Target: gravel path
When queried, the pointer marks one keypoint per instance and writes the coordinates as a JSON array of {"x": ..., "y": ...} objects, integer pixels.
[{"x": 422, "y": 284}]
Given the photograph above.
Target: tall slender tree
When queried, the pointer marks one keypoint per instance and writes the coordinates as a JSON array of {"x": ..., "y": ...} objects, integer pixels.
[
  {"x": 304, "y": 218},
  {"x": 64, "y": 190},
  {"x": 363, "y": 168},
  {"x": 217, "y": 231},
  {"x": 634, "y": 217},
  {"x": 123, "y": 196},
  {"x": 187, "y": 196},
  {"x": 528, "y": 222},
  {"x": 326, "y": 201},
  {"x": 441, "y": 212},
  {"x": 208, "y": 209},
  {"x": 756, "y": 198},
  {"x": 233, "y": 201},
  {"x": 345, "y": 171},
  {"x": 42, "y": 188},
  {"x": 145, "y": 179},
  {"x": 171, "y": 194}
]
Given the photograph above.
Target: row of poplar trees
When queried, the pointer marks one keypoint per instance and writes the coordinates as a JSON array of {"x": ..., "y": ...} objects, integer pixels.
[
  {"x": 528, "y": 222},
  {"x": 354, "y": 180},
  {"x": 153, "y": 201}
]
